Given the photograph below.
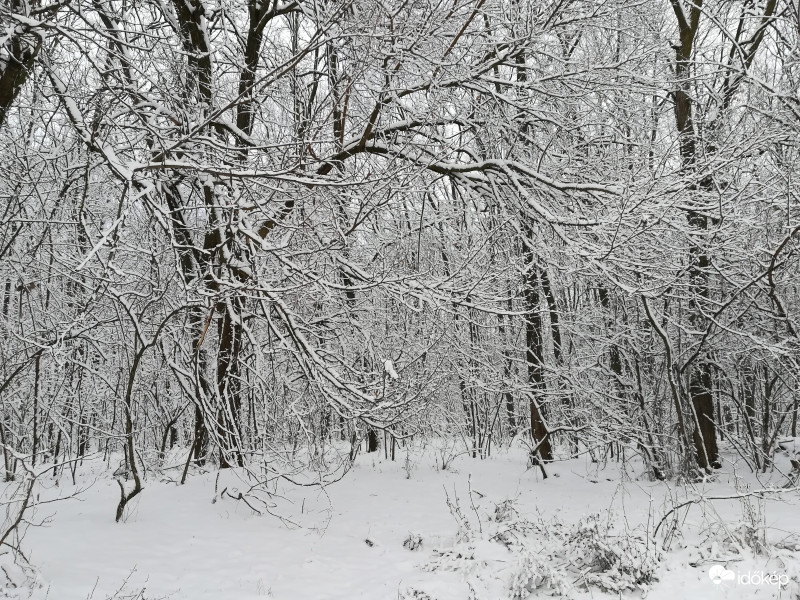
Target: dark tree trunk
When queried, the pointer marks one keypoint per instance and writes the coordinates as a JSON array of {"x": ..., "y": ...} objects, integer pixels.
[
  {"x": 700, "y": 373},
  {"x": 688, "y": 16},
  {"x": 534, "y": 355},
  {"x": 511, "y": 412},
  {"x": 200, "y": 436},
  {"x": 372, "y": 440},
  {"x": 229, "y": 387},
  {"x": 700, "y": 378},
  {"x": 749, "y": 393},
  {"x": 35, "y": 445},
  {"x": 705, "y": 432},
  {"x": 20, "y": 47}
]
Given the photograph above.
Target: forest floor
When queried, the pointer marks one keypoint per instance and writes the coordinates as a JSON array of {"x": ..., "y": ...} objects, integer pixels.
[{"x": 485, "y": 529}]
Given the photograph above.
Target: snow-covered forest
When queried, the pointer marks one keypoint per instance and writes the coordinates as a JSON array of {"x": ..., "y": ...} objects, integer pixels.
[{"x": 430, "y": 299}]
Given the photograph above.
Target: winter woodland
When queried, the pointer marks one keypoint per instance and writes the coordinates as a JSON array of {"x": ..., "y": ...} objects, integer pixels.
[{"x": 399, "y": 298}]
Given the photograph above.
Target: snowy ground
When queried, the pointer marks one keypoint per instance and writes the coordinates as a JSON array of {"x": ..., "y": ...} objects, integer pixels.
[{"x": 187, "y": 543}]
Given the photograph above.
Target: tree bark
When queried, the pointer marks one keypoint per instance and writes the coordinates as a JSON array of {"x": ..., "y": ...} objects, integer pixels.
[
  {"x": 701, "y": 398},
  {"x": 534, "y": 355}
]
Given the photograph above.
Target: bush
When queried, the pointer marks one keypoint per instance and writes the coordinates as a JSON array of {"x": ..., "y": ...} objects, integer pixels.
[
  {"x": 413, "y": 542},
  {"x": 527, "y": 555}
]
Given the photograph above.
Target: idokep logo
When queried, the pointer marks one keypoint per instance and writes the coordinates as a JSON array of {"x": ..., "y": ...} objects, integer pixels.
[
  {"x": 721, "y": 575},
  {"x": 718, "y": 574}
]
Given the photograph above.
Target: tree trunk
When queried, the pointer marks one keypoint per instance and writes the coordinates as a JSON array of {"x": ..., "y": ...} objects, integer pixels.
[
  {"x": 702, "y": 401},
  {"x": 534, "y": 355},
  {"x": 372, "y": 440},
  {"x": 229, "y": 386}
]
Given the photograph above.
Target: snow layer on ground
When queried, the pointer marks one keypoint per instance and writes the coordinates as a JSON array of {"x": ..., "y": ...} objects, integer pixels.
[{"x": 192, "y": 543}]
